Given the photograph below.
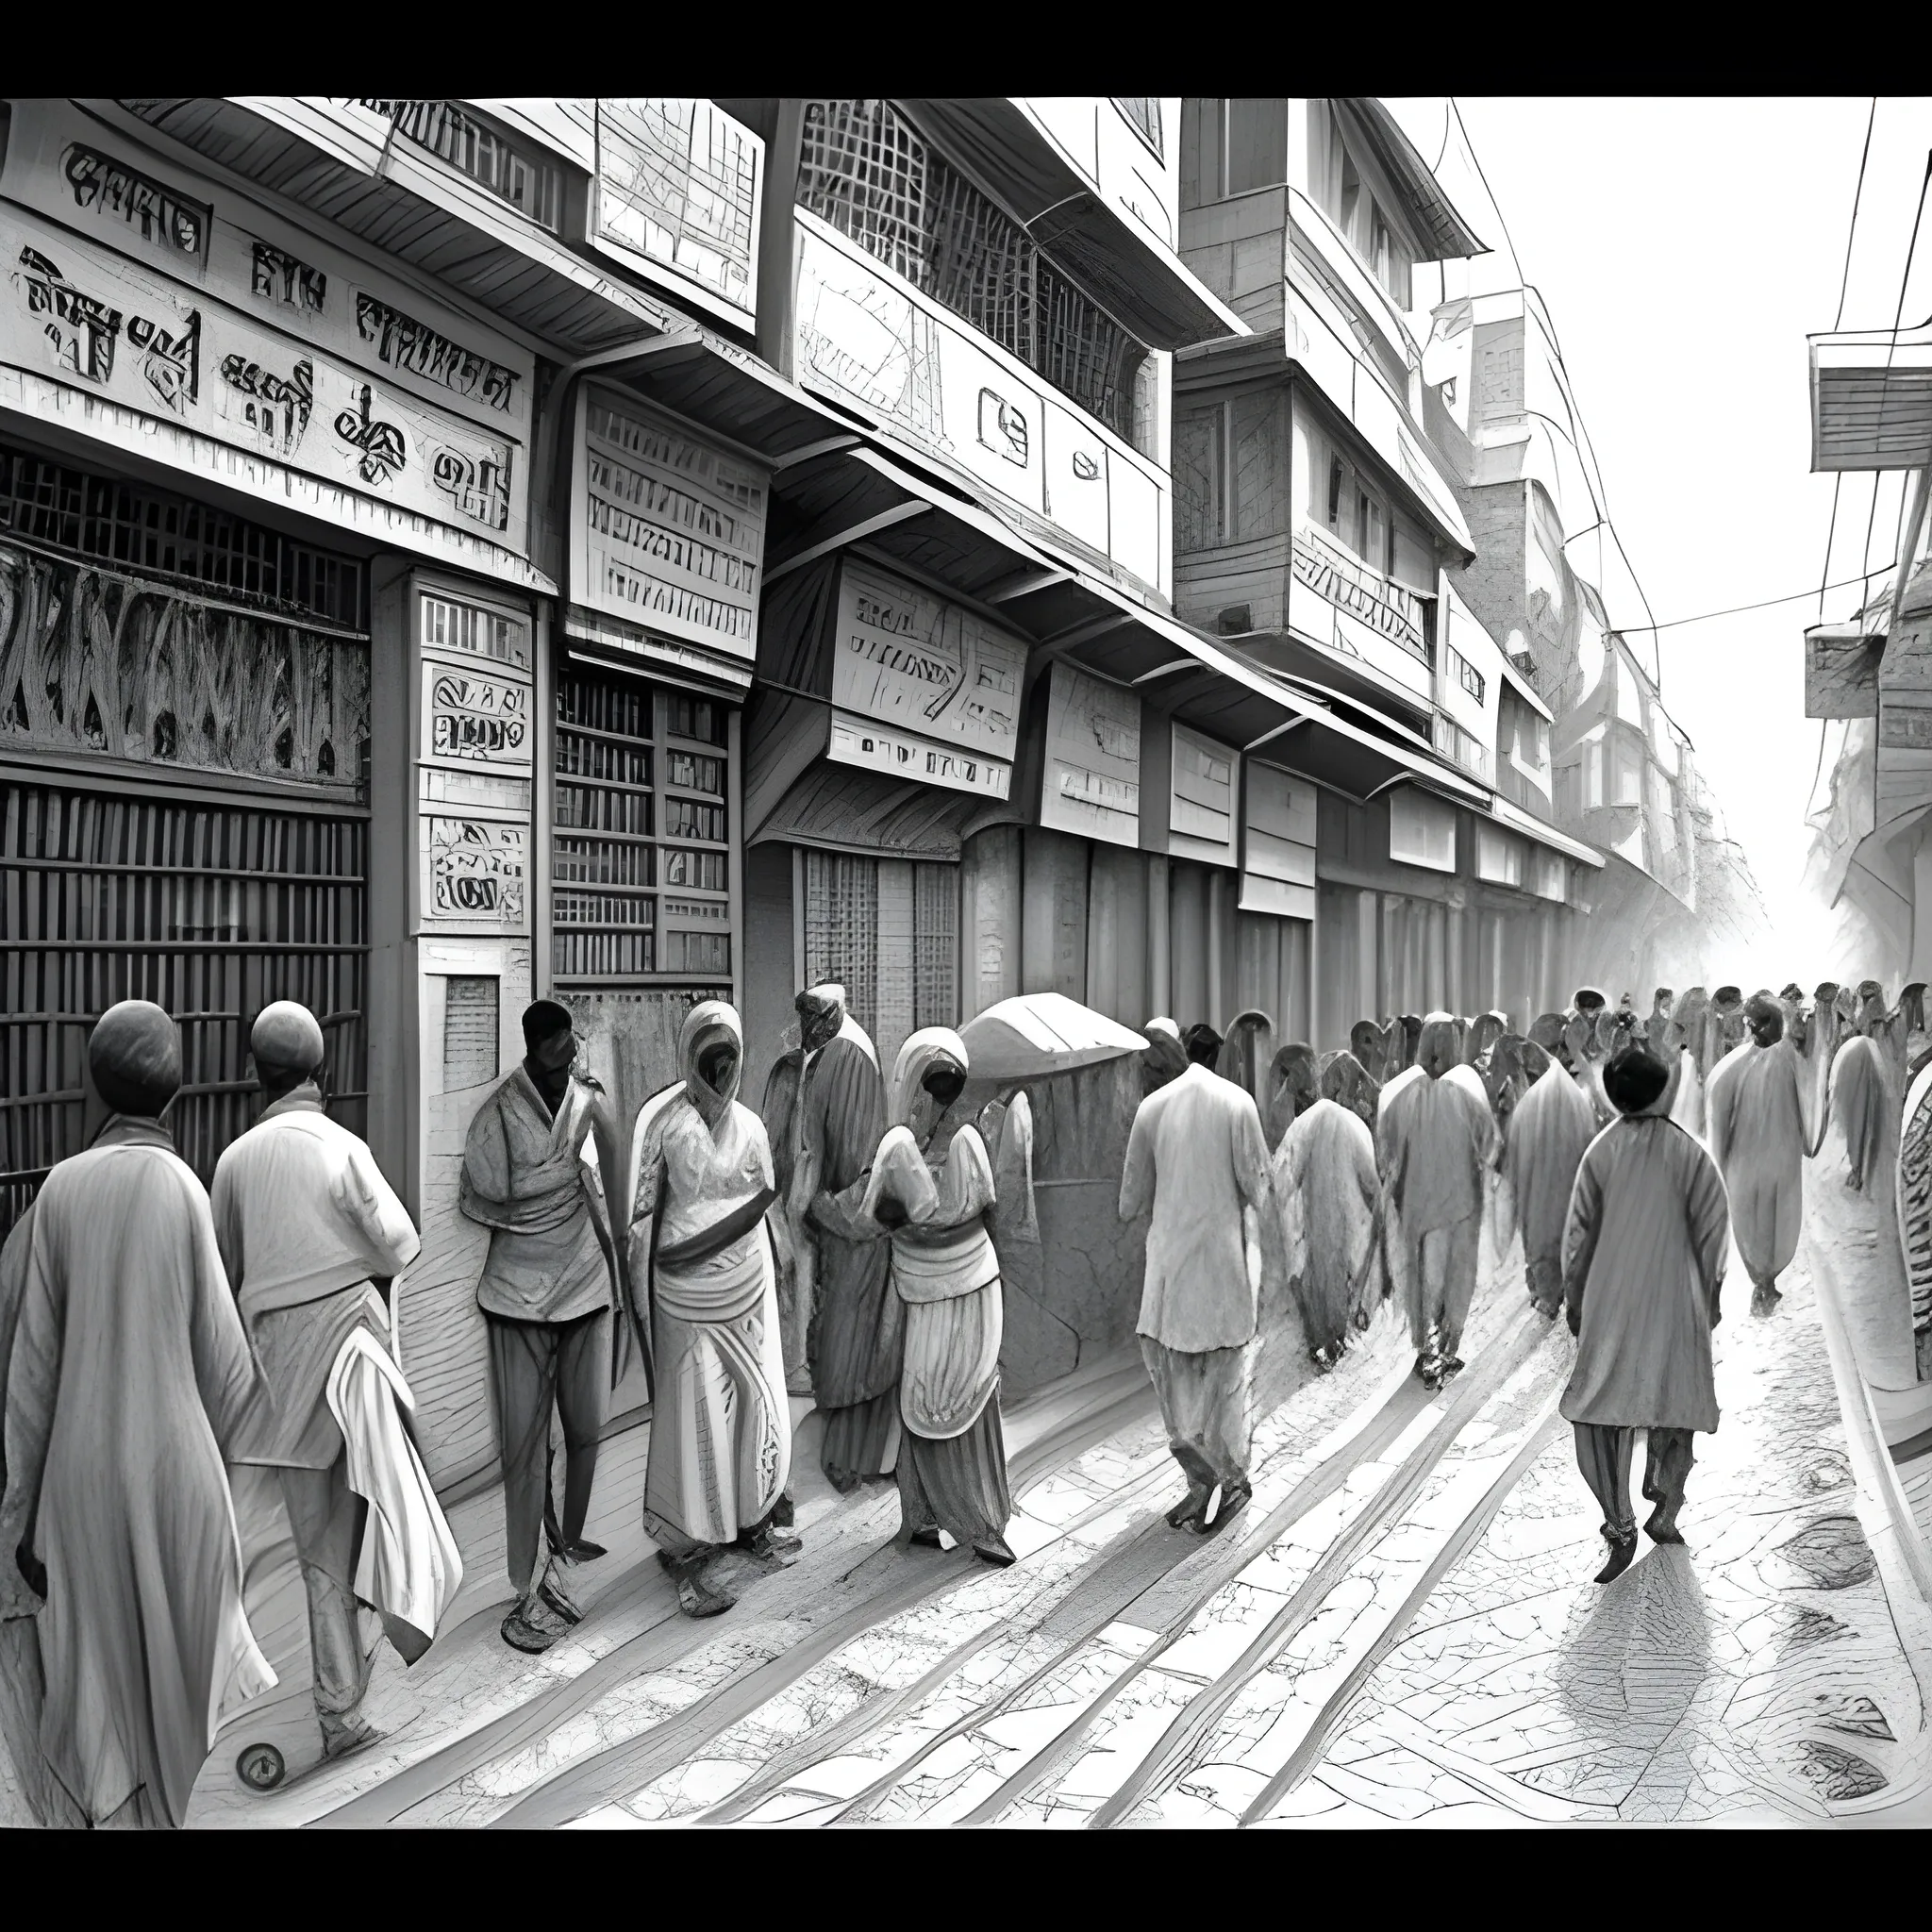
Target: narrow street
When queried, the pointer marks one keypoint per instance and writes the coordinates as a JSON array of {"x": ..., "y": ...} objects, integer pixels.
[{"x": 1401, "y": 1626}]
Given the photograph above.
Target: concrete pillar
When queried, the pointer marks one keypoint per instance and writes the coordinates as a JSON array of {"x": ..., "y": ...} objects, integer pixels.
[
  {"x": 1159, "y": 938},
  {"x": 895, "y": 959},
  {"x": 1117, "y": 935},
  {"x": 989, "y": 915},
  {"x": 1054, "y": 939}
]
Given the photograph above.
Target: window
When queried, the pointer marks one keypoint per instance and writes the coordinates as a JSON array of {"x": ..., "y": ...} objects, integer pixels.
[
  {"x": 1422, "y": 830},
  {"x": 1498, "y": 858},
  {"x": 1230, "y": 471},
  {"x": 532, "y": 186},
  {"x": 456, "y": 626},
  {"x": 1592, "y": 776},
  {"x": 1549, "y": 876},
  {"x": 864, "y": 170},
  {"x": 1144, "y": 117},
  {"x": 1465, "y": 673},
  {"x": 1345, "y": 194},
  {"x": 1463, "y": 747},
  {"x": 888, "y": 931},
  {"x": 1629, "y": 772},
  {"x": 1358, "y": 512},
  {"x": 1232, "y": 147}
]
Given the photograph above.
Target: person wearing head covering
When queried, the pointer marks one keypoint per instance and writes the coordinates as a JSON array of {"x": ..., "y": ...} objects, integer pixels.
[
  {"x": 1245, "y": 1056},
  {"x": 1410, "y": 1039},
  {"x": 1688, "y": 1039},
  {"x": 1294, "y": 1088},
  {"x": 1370, "y": 1045},
  {"x": 1435, "y": 1141},
  {"x": 1547, "y": 1032},
  {"x": 934, "y": 1190},
  {"x": 1586, "y": 1003},
  {"x": 1166, "y": 1058},
  {"x": 856, "y": 1322},
  {"x": 1553, "y": 1123},
  {"x": 1867, "y": 1083},
  {"x": 1643, "y": 1258},
  {"x": 1654, "y": 1031},
  {"x": 554, "y": 1299},
  {"x": 1584, "y": 1056},
  {"x": 130, "y": 1379},
  {"x": 313, "y": 1236},
  {"x": 1726, "y": 1027},
  {"x": 1324, "y": 1185},
  {"x": 1755, "y": 1117},
  {"x": 721, "y": 1429},
  {"x": 1345, "y": 1080},
  {"x": 1198, "y": 1160},
  {"x": 1476, "y": 1040}
]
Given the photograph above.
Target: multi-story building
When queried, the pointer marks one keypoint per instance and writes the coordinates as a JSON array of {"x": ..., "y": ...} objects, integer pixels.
[{"x": 1319, "y": 533}]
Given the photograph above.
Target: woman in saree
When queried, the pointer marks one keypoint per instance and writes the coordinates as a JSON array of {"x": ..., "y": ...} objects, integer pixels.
[
  {"x": 720, "y": 1430},
  {"x": 931, "y": 1188}
]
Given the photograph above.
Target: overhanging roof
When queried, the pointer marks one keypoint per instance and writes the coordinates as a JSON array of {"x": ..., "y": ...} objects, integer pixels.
[
  {"x": 1445, "y": 231},
  {"x": 1872, "y": 400},
  {"x": 1141, "y": 282},
  {"x": 1520, "y": 821}
]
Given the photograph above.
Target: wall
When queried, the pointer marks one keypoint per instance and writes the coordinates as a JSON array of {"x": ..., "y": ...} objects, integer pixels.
[{"x": 768, "y": 969}]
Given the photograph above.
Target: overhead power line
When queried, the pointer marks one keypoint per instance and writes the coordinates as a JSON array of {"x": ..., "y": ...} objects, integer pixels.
[{"x": 1734, "y": 610}]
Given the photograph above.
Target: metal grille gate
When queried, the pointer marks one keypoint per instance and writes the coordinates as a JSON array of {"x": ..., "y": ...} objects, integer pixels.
[{"x": 210, "y": 910}]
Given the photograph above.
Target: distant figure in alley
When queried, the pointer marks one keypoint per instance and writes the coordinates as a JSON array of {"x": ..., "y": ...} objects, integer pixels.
[
  {"x": 1643, "y": 1258},
  {"x": 1197, "y": 1157},
  {"x": 130, "y": 1381},
  {"x": 721, "y": 1427},
  {"x": 1754, "y": 1114},
  {"x": 1553, "y": 1123},
  {"x": 552, "y": 1294},
  {"x": 1323, "y": 1188},
  {"x": 313, "y": 1236}
]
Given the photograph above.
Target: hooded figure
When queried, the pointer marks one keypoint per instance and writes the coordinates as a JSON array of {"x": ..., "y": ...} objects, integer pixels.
[
  {"x": 1370, "y": 1045},
  {"x": 129, "y": 1380},
  {"x": 1506, "y": 1081},
  {"x": 1653, "y": 1032},
  {"x": 855, "y": 1320},
  {"x": 1166, "y": 1058},
  {"x": 1434, "y": 1143},
  {"x": 1294, "y": 1088},
  {"x": 312, "y": 1238},
  {"x": 1587, "y": 1004},
  {"x": 1727, "y": 1010},
  {"x": 1756, "y": 1123},
  {"x": 1643, "y": 1258},
  {"x": 1553, "y": 1123},
  {"x": 932, "y": 1187},
  {"x": 1197, "y": 1158},
  {"x": 1688, "y": 1039},
  {"x": 1585, "y": 1061},
  {"x": 721, "y": 1429},
  {"x": 1345, "y": 1082},
  {"x": 1547, "y": 1032},
  {"x": 1324, "y": 1187},
  {"x": 1864, "y": 1072},
  {"x": 1411, "y": 1039},
  {"x": 1245, "y": 1054},
  {"x": 1473, "y": 1039}
]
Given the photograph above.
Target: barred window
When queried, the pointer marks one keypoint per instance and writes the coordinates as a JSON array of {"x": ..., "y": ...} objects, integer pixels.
[{"x": 864, "y": 169}]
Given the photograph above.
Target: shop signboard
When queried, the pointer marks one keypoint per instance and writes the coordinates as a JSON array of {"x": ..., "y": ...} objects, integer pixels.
[{"x": 1091, "y": 785}]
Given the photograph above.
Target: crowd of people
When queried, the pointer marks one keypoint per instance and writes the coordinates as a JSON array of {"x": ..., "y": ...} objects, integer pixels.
[{"x": 843, "y": 1243}]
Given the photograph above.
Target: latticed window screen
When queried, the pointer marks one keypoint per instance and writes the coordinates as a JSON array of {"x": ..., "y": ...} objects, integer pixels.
[
  {"x": 474, "y": 148},
  {"x": 864, "y": 169},
  {"x": 935, "y": 945},
  {"x": 842, "y": 929}
]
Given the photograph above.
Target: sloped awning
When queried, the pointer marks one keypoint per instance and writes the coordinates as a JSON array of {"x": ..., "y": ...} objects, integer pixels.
[
  {"x": 1446, "y": 232},
  {"x": 1043, "y": 1033},
  {"x": 1531, "y": 827}
]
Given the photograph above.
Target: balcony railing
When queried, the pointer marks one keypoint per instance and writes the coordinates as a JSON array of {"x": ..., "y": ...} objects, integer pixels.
[{"x": 1459, "y": 746}]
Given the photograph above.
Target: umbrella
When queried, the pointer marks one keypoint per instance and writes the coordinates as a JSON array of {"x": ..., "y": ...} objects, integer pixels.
[{"x": 1042, "y": 1033}]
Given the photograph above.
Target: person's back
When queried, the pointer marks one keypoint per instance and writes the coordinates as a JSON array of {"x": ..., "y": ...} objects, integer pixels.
[{"x": 1197, "y": 1155}]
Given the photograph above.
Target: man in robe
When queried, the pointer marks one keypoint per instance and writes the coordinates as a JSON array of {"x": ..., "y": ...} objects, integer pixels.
[
  {"x": 552, "y": 1297},
  {"x": 1166, "y": 1058},
  {"x": 1197, "y": 1158},
  {"x": 721, "y": 1429},
  {"x": 1548, "y": 1031},
  {"x": 1754, "y": 1115},
  {"x": 1245, "y": 1054},
  {"x": 857, "y": 1328},
  {"x": 1507, "y": 1080},
  {"x": 1690, "y": 1036},
  {"x": 1553, "y": 1123},
  {"x": 1643, "y": 1258},
  {"x": 1434, "y": 1146},
  {"x": 1324, "y": 1186},
  {"x": 1866, "y": 1070},
  {"x": 1586, "y": 1003},
  {"x": 130, "y": 1378},
  {"x": 1585, "y": 1061},
  {"x": 312, "y": 1237},
  {"x": 1655, "y": 1031}
]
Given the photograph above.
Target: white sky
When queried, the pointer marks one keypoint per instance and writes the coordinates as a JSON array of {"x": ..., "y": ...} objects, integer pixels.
[{"x": 1685, "y": 249}]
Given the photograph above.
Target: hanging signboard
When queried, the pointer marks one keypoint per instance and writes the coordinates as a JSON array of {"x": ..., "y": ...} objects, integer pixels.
[
  {"x": 1202, "y": 800},
  {"x": 1093, "y": 780},
  {"x": 678, "y": 189},
  {"x": 472, "y": 719},
  {"x": 871, "y": 341},
  {"x": 1278, "y": 861},
  {"x": 907, "y": 658},
  {"x": 143, "y": 285},
  {"x": 875, "y": 748},
  {"x": 667, "y": 530}
]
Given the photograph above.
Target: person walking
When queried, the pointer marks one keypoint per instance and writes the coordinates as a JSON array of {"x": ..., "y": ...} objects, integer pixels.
[
  {"x": 1644, "y": 1260},
  {"x": 1197, "y": 1158}
]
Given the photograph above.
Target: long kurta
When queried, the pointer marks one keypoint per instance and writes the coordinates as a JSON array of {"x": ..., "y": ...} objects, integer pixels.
[
  {"x": 1324, "y": 1186},
  {"x": 1757, "y": 1130},
  {"x": 720, "y": 1430},
  {"x": 1551, "y": 1125},
  {"x": 130, "y": 1375},
  {"x": 1196, "y": 1157},
  {"x": 856, "y": 1325},
  {"x": 1857, "y": 1104},
  {"x": 1643, "y": 1253},
  {"x": 1434, "y": 1139}
]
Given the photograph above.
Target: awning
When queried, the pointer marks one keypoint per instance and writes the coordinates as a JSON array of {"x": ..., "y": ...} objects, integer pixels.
[
  {"x": 1532, "y": 827},
  {"x": 1139, "y": 279},
  {"x": 1524, "y": 690},
  {"x": 1872, "y": 400},
  {"x": 1450, "y": 238},
  {"x": 1041, "y": 1034}
]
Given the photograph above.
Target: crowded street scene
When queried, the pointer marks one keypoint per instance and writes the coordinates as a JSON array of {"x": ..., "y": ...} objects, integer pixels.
[{"x": 857, "y": 973}]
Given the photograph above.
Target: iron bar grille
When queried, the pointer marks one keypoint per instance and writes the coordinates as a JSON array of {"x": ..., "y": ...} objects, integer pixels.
[
  {"x": 865, "y": 171},
  {"x": 211, "y": 912},
  {"x": 151, "y": 531},
  {"x": 531, "y": 186},
  {"x": 843, "y": 943},
  {"x": 625, "y": 753}
]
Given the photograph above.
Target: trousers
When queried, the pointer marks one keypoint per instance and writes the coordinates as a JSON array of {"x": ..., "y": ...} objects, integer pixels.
[
  {"x": 1603, "y": 1454},
  {"x": 327, "y": 1519},
  {"x": 1204, "y": 1403},
  {"x": 1435, "y": 1277},
  {"x": 538, "y": 1368}
]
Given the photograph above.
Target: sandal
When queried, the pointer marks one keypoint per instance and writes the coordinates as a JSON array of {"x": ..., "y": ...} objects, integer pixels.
[{"x": 698, "y": 1598}]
